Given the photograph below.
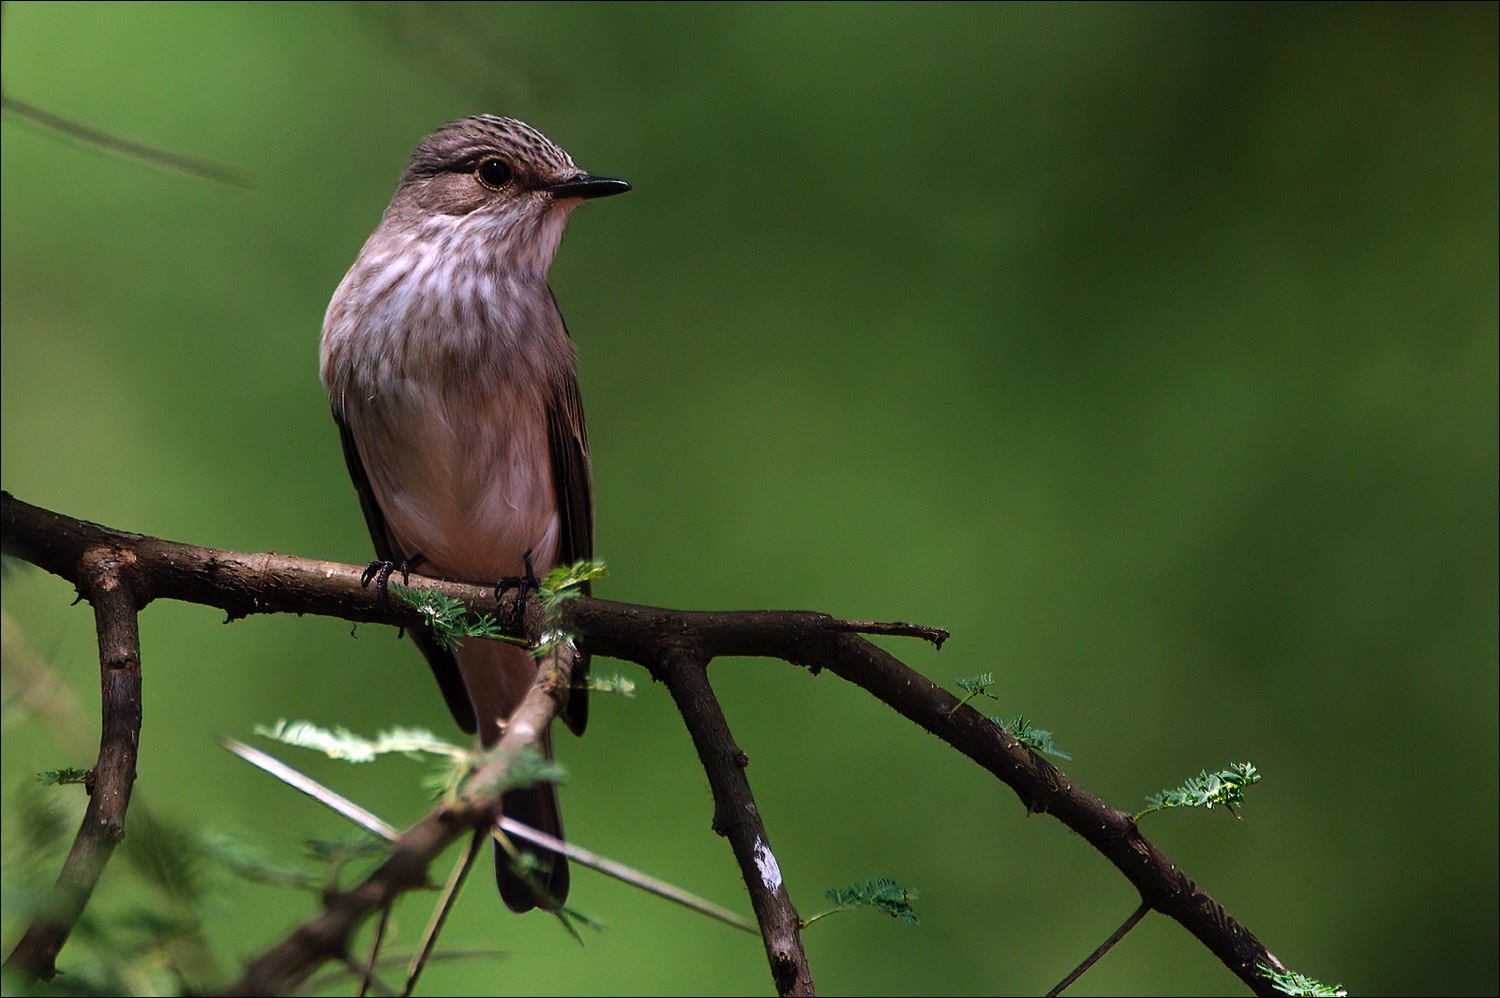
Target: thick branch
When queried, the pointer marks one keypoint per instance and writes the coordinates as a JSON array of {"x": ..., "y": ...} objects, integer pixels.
[
  {"x": 244, "y": 584},
  {"x": 1043, "y": 788},
  {"x": 737, "y": 818},
  {"x": 105, "y": 579}
]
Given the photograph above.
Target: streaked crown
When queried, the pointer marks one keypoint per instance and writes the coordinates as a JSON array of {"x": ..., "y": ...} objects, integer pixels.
[{"x": 491, "y": 162}]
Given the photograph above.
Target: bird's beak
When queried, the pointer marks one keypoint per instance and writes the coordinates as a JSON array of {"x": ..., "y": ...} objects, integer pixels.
[{"x": 584, "y": 185}]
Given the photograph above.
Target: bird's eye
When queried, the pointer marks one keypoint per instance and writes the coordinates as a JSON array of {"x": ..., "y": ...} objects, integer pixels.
[{"x": 493, "y": 173}]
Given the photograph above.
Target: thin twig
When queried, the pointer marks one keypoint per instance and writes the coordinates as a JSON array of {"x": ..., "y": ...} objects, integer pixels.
[
  {"x": 105, "y": 142},
  {"x": 298, "y": 780},
  {"x": 372, "y": 823},
  {"x": 629, "y": 875},
  {"x": 368, "y": 973},
  {"x": 1104, "y": 948},
  {"x": 895, "y": 628},
  {"x": 441, "y": 910}
]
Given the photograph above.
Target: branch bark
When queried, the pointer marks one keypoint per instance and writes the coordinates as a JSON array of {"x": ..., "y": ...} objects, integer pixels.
[
  {"x": 675, "y": 644},
  {"x": 685, "y": 671},
  {"x": 105, "y": 578}
]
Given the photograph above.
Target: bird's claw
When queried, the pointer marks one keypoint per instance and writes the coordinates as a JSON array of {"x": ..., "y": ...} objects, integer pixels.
[
  {"x": 521, "y": 584},
  {"x": 380, "y": 570}
]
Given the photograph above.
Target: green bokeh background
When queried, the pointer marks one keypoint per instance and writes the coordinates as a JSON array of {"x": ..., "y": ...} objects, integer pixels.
[{"x": 1151, "y": 349}]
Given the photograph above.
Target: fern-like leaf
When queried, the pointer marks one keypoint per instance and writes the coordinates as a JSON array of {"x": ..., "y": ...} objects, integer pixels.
[
  {"x": 341, "y": 743},
  {"x": 1037, "y": 739},
  {"x": 1289, "y": 983},
  {"x": 883, "y": 894},
  {"x": 60, "y": 777},
  {"x": 1225, "y": 789}
]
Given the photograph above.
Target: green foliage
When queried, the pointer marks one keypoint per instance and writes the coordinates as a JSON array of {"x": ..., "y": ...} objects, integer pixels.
[
  {"x": 338, "y": 852},
  {"x": 41, "y": 829},
  {"x": 341, "y": 743},
  {"x": 414, "y": 743},
  {"x": 449, "y": 619},
  {"x": 974, "y": 686},
  {"x": 883, "y": 894},
  {"x": 616, "y": 684},
  {"x": 444, "y": 782},
  {"x": 1305, "y": 987},
  {"x": 1036, "y": 739},
  {"x": 59, "y": 777},
  {"x": 249, "y": 862},
  {"x": 1019, "y": 727},
  {"x": 169, "y": 855},
  {"x": 529, "y": 767},
  {"x": 565, "y": 582},
  {"x": 1225, "y": 789}
]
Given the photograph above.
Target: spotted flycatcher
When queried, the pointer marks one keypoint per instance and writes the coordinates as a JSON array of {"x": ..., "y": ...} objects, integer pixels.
[{"x": 454, "y": 385}]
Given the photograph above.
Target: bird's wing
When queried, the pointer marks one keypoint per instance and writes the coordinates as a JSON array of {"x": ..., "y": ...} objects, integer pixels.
[
  {"x": 444, "y": 667},
  {"x": 568, "y": 440}
]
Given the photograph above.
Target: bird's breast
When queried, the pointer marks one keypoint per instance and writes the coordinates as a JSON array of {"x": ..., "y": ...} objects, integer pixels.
[{"x": 464, "y": 481}]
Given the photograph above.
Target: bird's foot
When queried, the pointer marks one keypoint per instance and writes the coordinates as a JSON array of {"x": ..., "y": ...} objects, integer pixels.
[
  {"x": 380, "y": 570},
  {"x": 522, "y": 584}
]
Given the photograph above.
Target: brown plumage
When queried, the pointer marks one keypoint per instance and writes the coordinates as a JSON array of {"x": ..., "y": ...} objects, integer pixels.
[{"x": 453, "y": 381}]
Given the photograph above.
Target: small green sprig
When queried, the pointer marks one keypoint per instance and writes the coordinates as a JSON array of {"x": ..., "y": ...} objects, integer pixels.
[
  {"x": 449, "y": 619},
  {"x": 974, "y": 686},
  {"x": 529, "y": 767},
  {"x": 341, "y": 743},
  {"x": 246, "y": 861},
  {"x": 249, "y": 862},
  {"x": 615, "y": 684},
  {"x": 1037, "y": 739},
  {"x": 883, "y": 894},
  {"x": 565, "y": 582},
  {"x": 59, "y": 777},
  {"x": 1225, "y": 789},
  {"x": 414, "y": 743},
  {"x": 1290, "y": 983}
]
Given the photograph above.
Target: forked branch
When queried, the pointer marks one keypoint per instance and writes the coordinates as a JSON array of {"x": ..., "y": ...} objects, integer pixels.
[{"x": 676, "y": 646}]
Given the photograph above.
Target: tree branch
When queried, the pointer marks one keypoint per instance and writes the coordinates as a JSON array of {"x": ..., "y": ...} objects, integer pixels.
[
  {"x": 736, "y": 817},
  {"x": 656, "y": 639},
  {"x": 105, "y": 579},
  {"x": 328, "y": 936}
]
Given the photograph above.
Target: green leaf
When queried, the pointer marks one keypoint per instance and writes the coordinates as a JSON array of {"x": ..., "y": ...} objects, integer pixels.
[
  {"x": 564, "y": 582},
  {"x": 1036, "y": 739},
  {"x": 616, "y": 684},
  {"x": 529, "y": 767},
  {"x": 977, "y": 685},
  {"x": 884, "y": 895},
  {"x": 243, "y": 860},
  {"x": 59, "y": 777},
  {"x": 1296, "y": 984},
  {"x": 1225, "y": 789},
  {"x": 974, "y": 686},
  {"x": 341, "y": 743},
  {"x": 449, "y": 619}
]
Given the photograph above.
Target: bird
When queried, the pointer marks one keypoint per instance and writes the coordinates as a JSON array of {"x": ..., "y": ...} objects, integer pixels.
[{"x": 453, "y": 381}]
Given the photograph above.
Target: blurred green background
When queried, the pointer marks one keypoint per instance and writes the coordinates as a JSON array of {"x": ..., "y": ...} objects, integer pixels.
[{"x": 1151, "y": 349}]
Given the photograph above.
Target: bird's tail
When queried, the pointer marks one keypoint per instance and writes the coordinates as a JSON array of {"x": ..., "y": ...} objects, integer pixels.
[
  {"x": 497, "y": 677},
  {"x": 540, "y": 881}
]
